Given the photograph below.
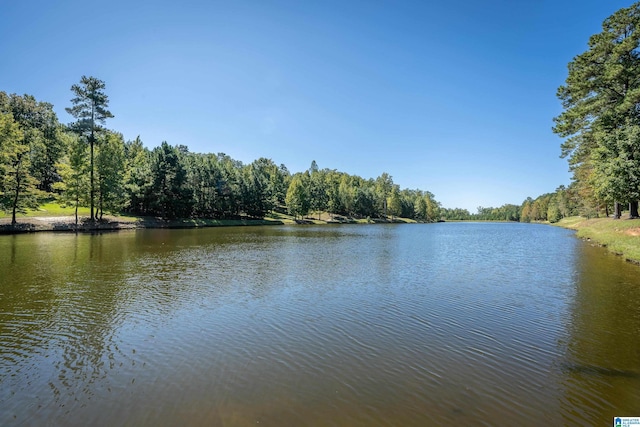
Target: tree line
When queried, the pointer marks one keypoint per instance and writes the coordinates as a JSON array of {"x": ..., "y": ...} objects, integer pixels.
[
  {"x": 600, "y": 124},
  {"x": 552, "y": 207},
  {"x": 86, "y": 164},
  {"x": 600, "y": 120}
]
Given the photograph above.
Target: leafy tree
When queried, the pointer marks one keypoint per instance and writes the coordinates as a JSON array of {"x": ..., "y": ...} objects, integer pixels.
[
  {"x": 364, "y": 202},
  {"x": 19, "y": 187},
  {"x": 332, "y": 183},
  {"x": 90, "y": 109},
  {"x": 297, "y": 198},
  {"x": 229, "y": 186},
  {"x": 42, "y": 132},
  {"x": 73, "y": 170},
  {"x": 394, "y": 204},
  {"x": 137, "y": 177},
  {"x": 319, "y": 199},
  {"x": 600, "y": 98},
  {"x": 203, "y": 175},
  {"x": 110, "y": 166},
  {"x": 420, "y": 208},
  {"x": 616, "y": 175},
  {"x": 279, "y": 178},
  {"x": 257, "y": 199},
  {"x": 384, "y": 185},
  {"x": 347, "y": 194},
  {"x": 171, "y": 198}
]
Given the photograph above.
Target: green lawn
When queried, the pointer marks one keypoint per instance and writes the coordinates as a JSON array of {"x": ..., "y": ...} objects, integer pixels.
[
  {"x": 49, "y": 209},
  {"x": 621, "y": 236}
]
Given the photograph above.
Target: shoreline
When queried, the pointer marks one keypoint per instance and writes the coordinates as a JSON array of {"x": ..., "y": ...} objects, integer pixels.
[
  {"x": 66, "y": 223},
  {"x": 620, "y": 236}
]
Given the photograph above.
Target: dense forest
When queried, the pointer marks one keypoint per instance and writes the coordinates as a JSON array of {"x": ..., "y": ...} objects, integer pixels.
[
  {"x": 86, "y": 164},
  {"x": 42, "y": 159}
]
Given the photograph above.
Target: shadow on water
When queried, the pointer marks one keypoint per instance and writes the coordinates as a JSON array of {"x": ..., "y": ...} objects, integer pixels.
[
  {"x": 597, "y": 371},
  {"x": 600, "y": 366}
]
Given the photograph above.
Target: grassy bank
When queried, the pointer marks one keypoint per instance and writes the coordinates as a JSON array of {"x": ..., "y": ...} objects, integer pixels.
[
  {"x": 620, "y": 236},
  {"x": 53, "y": 217}
]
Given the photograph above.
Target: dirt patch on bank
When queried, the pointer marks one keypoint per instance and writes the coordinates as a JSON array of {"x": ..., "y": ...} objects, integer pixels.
[{"x": 632, "y": 231}]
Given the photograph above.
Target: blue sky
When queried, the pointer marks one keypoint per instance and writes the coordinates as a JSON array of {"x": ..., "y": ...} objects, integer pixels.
[{"x": 455, "y": 97}]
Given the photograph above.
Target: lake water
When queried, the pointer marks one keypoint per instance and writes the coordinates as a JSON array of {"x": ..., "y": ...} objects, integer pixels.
[{"x": 359, "y": 325}]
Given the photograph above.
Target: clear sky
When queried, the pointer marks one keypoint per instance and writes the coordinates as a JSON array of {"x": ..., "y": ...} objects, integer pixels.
[{"x": 455, "y": 97}]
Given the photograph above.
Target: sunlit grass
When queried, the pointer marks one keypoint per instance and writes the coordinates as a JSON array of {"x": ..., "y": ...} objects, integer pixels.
[
  {"x": 621, "y": 236},
  {"x": 49, "y": 209}
]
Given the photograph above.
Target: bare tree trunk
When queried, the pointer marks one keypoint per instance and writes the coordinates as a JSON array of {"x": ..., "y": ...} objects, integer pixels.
[
  {"x": 616, "y": 210},
  {"x": 17, "y": 193},
  {"x": 633, "y": 209},
  {"x": 91, "y": 190}
]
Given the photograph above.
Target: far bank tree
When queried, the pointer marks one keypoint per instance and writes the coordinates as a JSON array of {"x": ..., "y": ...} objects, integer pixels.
[
  {"x": 297, "y": 199},
  {"x": 601, "y": 99},
  {"x": 110, "y": 165},
  {"x": 73, "y": 170},
  {"x": 170, "y": 196},
  {"x": 90, "y": 109},
  {"x": 17, "y": 186}
]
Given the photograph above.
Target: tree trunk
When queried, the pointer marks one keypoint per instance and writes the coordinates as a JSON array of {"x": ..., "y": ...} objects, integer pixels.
[
  {"x": 15, "y": 205},
  {"x": 100, "y": 201},
  {"x": 91, "y": 191},
  {"x": 17, "y": 194},
  {"x": 616, "y": 210},
  {"x": 633, "y": 209}
]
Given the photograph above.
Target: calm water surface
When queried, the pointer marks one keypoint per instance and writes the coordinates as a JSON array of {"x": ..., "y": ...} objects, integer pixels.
[{"x": 399, "y": 325}]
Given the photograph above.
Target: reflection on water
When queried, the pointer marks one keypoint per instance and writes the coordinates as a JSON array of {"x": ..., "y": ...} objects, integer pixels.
[
  {"x": 472, "y": 324},
  {"x": 602, "y": 362}
]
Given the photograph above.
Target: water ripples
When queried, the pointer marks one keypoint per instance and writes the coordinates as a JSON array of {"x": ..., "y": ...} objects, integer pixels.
[{"x": 434, "y": 324}]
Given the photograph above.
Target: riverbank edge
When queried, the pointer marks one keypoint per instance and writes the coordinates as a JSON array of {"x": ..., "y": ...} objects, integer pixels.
[
  {"x": 619, "y": 236},
  {"x": 66, "y": 224}
]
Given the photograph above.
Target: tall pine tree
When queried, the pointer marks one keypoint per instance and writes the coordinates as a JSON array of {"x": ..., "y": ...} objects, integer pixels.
[{"x": 90, "y": 109}]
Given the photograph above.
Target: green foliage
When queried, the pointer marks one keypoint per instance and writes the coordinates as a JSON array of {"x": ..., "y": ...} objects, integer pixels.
[
  {"x": 600, "y": 100},
  {"x": 85, "y": 164},
  {"x": 137, "y": 177},
  {"x": 257, "y": 199},
  {"x": 170, "y": 196},
  {"x": 18, "y": 186},
  {"x": 384, "y": 185},
  {"x": 110, "y": 166},
  {"x": 317, "y": 189},
  {"x": 394, "y": 203},
  {"x": 297, "y": 199},
  {"x": 42, "y": 132},
  {"x": 90, "y": 109},
  {"x": 616, "y": 165},
  {"x": 74, "y": 170}
]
